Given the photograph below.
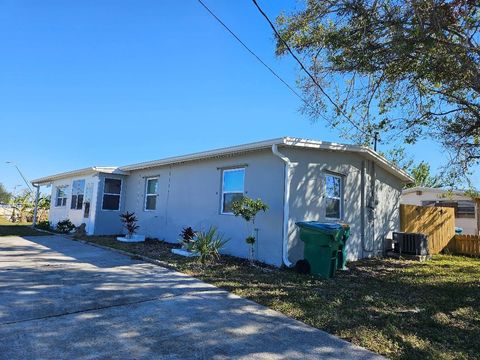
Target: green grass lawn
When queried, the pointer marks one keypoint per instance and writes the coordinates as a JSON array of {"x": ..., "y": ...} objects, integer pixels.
[
  {"x": 401, "y": 309},
  {"x": 20, "y": 229}
]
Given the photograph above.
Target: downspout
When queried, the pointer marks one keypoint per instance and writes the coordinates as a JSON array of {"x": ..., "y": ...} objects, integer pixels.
[
  {"x": 363, "y": 214},
  {"x": 35, "y": 210},
  {"x": 286, "y": 204}
]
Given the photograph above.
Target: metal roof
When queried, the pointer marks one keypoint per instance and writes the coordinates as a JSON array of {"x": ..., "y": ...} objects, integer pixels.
[
  {"x": 238, "y": 149},
  {"x": 86, "y": 171}
]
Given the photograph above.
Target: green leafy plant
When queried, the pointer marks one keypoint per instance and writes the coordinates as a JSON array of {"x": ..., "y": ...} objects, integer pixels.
[
  {"x": 250, "y": 240},
  {"x": 208, "y": 244},
  {"x": 248, "y": 209},
  {"x": 129, "y": 221},
  {"x": 64, "y": 226},
  {"x": 43, "y": 225}
]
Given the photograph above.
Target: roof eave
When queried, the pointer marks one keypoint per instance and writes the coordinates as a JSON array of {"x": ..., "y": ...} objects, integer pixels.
[{"x": 85, "y": 171}]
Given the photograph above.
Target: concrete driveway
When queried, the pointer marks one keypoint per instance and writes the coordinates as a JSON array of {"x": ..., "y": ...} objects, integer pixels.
[{"x": 61, "y": 299}]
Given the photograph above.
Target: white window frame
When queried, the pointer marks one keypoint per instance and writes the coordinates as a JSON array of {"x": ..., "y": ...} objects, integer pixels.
[
  {"x": 340, "y": 198},
  {"x": 65, "y": 197},
  {"x": 119, "y": 194},
  {"x": 151, "y": 194},
  {"x": 223, "y": 192}
]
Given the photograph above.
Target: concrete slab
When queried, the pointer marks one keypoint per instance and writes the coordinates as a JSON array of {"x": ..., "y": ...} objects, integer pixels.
[{"x": 64, "y": 299}]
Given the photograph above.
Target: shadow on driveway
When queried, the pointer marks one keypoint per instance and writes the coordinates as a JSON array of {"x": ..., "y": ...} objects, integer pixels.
[{"x": 64, "y": 299}]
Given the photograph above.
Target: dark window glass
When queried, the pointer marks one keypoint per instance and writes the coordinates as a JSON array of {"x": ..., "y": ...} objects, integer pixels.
[
  {"x": 79, "y": 202},
  {"x": 229, "y": 199},
  {"x": 112, "y": 186},
  {"x": 151, "y": 202},
  {"x": 333, "y": 208},
  {"x": 86, "y": 211},
  {"x": 73, "y": 205},
  {"x": 111, "y": 202}
]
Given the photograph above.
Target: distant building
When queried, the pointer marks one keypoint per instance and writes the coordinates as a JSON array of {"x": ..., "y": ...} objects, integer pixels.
[{"x": 467, "y": 210}]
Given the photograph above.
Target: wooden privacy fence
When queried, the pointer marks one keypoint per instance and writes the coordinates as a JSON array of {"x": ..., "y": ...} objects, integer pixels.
[
  {"x": 465, "y": 245},
  {"x": 438, "y": 223}
]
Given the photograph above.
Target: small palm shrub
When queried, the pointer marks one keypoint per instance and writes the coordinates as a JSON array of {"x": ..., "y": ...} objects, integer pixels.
[
  {"x": 64, "y": 226},
  {"x": 129, "y": 221},
  {"x": 208, "y": 244},
  {"x": 187, "y": 237}
]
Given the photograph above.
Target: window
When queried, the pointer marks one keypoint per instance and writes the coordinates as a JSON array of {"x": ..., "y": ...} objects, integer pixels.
[
  {"x": 111, "y": 194},
  {"x": 78, "y": 189},
  {"x": 232, "y": 188},
  {"x": 333, "y": 191},
  {"x": 466, "y": 209},
  {"x": 61, "y": 196},
  {"x": 151, "y": 193}
]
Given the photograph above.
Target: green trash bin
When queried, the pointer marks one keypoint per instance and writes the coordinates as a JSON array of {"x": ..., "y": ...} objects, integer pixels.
[
  {"x": 342, "y": 253},
  {"x": 321, "y": 245}
]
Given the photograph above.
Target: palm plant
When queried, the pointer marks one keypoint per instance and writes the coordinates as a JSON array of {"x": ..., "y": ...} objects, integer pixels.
[
  {"x": 129, "y": 221},
  {"x": 208, "y": 244}
]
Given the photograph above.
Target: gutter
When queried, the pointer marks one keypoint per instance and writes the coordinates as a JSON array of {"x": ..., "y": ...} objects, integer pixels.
[{"x": 286, "y": 206}]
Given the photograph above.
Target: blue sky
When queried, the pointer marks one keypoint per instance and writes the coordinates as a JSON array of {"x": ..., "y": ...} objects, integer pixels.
[{"x": 116, "y": 82}]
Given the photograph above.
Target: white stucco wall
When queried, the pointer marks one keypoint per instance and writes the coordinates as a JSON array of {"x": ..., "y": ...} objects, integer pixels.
[
  {"x": 189, "y": 194},
  {"x": 307, "y": 195},
  {"x": 60, "y": 213}
]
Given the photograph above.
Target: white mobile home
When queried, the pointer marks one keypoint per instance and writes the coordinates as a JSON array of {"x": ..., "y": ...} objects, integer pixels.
[{"x": 299, "y": 179}]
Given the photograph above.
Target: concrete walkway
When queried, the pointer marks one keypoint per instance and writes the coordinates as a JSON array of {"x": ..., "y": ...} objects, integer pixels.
[{"x": 61, "y": 299}]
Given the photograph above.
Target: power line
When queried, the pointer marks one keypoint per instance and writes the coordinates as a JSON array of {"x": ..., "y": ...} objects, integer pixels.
[
  {"x": 306, "y": 70},
  {"x": 251, "y": 52}
]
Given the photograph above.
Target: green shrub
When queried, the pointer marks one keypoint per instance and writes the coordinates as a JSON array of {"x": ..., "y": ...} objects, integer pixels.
[
  {"x": 129, "y": 221},
  {"x": 64, "y": 226},
  {"x": 43, "y": 225},
  {"x": 248, "y": 209},
  {"x": 208, "y": 244}
]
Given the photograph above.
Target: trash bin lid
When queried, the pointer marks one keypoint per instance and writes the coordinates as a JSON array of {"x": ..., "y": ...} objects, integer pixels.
[{"x": 330, "y": 228}]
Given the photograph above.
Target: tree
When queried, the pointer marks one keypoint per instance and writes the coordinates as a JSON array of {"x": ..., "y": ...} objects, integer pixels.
[
  {"x": 5, "y": 196},
  {"x": 420, "y": 172},
  {"x": 421, "y": 175},
  {"x": 23, "y": 205},
  {"x": 408, "y": 69},
  {"x": 248, "y": 209}
]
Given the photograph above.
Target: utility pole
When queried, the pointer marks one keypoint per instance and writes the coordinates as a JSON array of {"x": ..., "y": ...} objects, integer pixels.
[
  {"x": 375, "y": 140},
  {"x": 21, "y": 174}
]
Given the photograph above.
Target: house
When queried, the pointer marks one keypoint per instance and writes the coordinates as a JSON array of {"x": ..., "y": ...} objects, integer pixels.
[
  {"x": 299, "y": 179},
  {"x": 467, "y": 210}
]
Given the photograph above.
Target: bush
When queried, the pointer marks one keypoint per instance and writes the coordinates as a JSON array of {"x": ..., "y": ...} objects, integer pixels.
[
  {"x": 129, "y": 221},
  {"x": 64, "y": 226},
  {"x": 208, "y": 244},
  {"x": 43, "y": 225},
  {"x": 187, "y": 237}
]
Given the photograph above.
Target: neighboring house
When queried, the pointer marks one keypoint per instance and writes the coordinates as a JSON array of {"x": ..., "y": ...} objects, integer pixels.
[
  {"x": 298, "y": 179},
  {"x": 467, "y": 210}
]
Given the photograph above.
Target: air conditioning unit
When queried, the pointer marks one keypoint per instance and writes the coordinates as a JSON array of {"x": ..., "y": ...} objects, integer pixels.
[{"x": 410, "y": 243}]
